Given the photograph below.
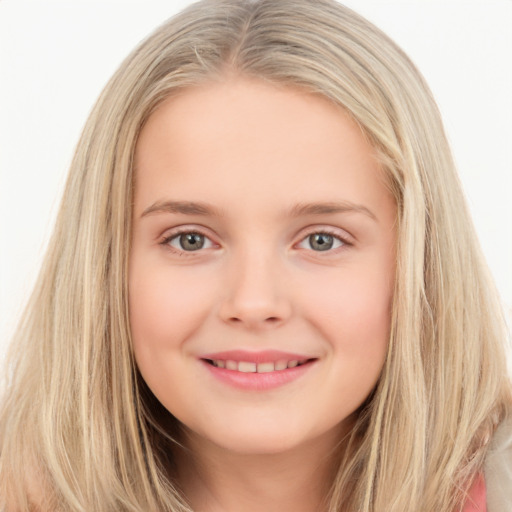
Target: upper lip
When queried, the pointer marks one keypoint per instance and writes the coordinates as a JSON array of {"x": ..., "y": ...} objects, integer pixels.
[{"x": 263, "y": 356}]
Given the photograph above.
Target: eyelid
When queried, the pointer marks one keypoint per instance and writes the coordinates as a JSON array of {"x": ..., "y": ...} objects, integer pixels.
[
  {"x": 343, "y": 237},
  {"x": 176, "y": 232}
]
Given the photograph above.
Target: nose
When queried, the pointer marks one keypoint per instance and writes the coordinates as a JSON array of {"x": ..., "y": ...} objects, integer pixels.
[{"x": 255, "y": 294}]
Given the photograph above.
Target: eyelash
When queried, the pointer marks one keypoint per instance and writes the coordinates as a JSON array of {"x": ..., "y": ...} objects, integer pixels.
[{"x": 166, "y": 241}]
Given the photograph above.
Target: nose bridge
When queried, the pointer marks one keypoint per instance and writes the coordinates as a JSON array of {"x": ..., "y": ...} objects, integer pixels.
[{"x": 256, "y": 294}]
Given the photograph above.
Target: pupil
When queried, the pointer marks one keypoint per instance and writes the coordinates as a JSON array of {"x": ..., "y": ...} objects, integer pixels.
[
  {"x": 192, "y": 241},
  {"x": 321, "y": 241}
]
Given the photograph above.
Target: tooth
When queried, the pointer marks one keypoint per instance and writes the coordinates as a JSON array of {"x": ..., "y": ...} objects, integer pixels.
[
  {"x": 214, "y": 363},
  {"x": 246, "y": 367},
  {"x": 265, "y": 367},
  {"x": 220, "y": 363},
  {"x": 292, "y": 364},
  {"x": 231, "y": 365},
  {"x": 281, "y": 364}
]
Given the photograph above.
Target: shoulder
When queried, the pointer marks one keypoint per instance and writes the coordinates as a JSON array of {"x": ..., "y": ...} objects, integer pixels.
[{"x": 498, "y": 469}]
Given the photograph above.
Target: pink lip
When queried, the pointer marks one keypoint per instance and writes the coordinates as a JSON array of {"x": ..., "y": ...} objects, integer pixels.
[
  {"x": 257, "y": 381},
  {"x": 264, "y": 356}
]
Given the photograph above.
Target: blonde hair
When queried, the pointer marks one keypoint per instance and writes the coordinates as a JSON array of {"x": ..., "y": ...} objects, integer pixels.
[{"x": 79, "y": 431}]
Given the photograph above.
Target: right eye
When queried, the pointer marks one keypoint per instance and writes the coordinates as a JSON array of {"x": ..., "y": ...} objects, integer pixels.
[{"x": 187, "y": 241}]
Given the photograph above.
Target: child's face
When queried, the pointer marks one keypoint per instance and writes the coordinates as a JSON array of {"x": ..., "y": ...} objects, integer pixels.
[{"x": 263, "y": 272}]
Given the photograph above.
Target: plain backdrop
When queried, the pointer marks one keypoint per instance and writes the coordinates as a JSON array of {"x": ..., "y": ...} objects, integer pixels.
[{"x": 55, "y": 57}]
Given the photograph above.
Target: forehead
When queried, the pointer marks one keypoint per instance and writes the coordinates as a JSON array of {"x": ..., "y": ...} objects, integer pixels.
[{"x": 247, "y": 139}]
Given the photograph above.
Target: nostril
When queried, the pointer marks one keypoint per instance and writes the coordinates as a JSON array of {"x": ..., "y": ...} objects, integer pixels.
[{"x": 272, "y": 319}]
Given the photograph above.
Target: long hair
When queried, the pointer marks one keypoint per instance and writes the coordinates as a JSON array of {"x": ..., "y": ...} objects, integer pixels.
[{"x": 80, "y": 431}]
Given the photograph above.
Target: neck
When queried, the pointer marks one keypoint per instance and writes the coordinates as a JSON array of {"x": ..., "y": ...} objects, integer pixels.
[{"x": 216, "y": 480}]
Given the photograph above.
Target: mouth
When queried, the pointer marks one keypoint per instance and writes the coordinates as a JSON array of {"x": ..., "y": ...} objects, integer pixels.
[
  {"x": 255, "y": 367},
  {"x": 257, "y": 371}
]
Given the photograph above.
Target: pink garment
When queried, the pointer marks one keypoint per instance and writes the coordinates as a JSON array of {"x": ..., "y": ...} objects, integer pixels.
[{"x": 477, "y": 497}]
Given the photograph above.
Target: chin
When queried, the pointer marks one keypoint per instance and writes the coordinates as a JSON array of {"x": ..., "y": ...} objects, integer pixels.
[
  {"x": 258, "y": 445},
  {"x": 262, "y": 438},
  {"x": 245, "y": 438}
]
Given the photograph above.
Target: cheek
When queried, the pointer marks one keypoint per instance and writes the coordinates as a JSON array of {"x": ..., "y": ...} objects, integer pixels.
[
  {"x": 164, "y": 305},
  {"x": 353, "y": 311},
  {"x": 165, "y": 310},
  {"x": 354, "y": 298}
]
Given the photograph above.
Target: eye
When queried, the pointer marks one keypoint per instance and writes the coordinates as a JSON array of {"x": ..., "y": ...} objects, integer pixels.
[
  {"x": 188, "y": 241},
  {"x": 322, "y": 241}
]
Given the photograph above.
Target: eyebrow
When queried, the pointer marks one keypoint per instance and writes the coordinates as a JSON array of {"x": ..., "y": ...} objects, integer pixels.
[
  {"x": 303, "y": 209},
  {"x": 299, "y": 210},
  {"x": 183, "y": 207}
]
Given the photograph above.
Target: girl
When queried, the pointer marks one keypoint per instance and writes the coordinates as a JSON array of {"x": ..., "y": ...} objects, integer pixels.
[{"x": 263, "y": 291}]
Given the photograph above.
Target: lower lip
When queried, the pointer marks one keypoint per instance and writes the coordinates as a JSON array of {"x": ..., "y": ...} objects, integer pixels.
[{"x": 254, "y": 381}]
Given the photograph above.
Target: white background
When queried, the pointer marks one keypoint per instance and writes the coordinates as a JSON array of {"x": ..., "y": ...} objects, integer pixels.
[{"x": 55, "y": 57}]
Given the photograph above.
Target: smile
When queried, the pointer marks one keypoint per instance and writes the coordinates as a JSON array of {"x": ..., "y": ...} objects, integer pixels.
[
  {"x": 252, "y": 367},
  {"x": 257, "y": 371}
]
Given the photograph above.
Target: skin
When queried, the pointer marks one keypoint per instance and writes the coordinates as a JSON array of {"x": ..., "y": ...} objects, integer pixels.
[{"x": 254, "y": 151}]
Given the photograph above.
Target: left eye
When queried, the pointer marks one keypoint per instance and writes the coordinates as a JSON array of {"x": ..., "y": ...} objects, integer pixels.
[
  {"x": 321, "y": 242},
  {"x": 189, "y": 241}
]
